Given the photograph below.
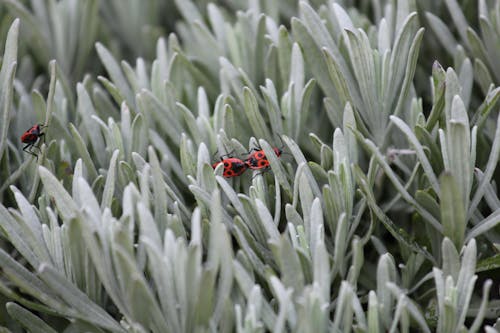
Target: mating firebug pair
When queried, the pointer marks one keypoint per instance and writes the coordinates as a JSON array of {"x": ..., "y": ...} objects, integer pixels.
[
  {"x": 31, "y": 136},
  {"x": 257, "y": 160}
]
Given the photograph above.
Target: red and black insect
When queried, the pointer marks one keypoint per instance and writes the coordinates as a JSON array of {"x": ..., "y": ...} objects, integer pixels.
[
  {"x": 257, "y": 160},
  {"x": 31, "y": 137},
  {"x": 233, "y": 166}
]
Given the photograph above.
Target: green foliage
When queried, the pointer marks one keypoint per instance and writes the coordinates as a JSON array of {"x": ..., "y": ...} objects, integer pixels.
[{"x": 380, "y": 215}]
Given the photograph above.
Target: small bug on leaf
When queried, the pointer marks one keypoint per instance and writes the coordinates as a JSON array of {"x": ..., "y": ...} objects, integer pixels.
[
  {"x": 31, "y": 136},
  {"x": 233, "y": 166},
  {"x": 257, "y": 160}
]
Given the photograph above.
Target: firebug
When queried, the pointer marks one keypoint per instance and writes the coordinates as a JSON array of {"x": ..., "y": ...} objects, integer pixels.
[
  {"x": 31, "y": 137},
  {"x": 257, "y": 160},
  {"x": 233, "y": 166}
]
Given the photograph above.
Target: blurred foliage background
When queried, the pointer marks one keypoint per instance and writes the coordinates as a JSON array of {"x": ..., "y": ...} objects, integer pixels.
[{"x": 381, "y": 215}]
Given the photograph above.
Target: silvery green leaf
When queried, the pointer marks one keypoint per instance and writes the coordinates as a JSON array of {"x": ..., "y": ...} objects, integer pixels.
[
  {"x": 487, "y": 264},
  {"x": 483, "y": 75},
  {"x": 373, "y": 313},
  {"x": 81, "y": 148},
  {"x": 144, "y": 187},
  {"x": 399, "y": 234},
  {"x": 288, "y": 260},
  {"x": 283, "y": 296},
  {"x": 363, "y": 62},
  {"x": 451, "y": 262},
  {"x": 219, "y": 254},
  {"x": 340, "y": 245},
  {"x": 406, "y": 305},
  {"x": 284, "y": 49},
  {"x": 333, "y": 111},
  {"x": 22, "y": 237},
  {"x": 386, "y": 272},
  {"x": 199, "y": 77},
  {"x": 7, "y": 74},
  {"x": 148, "y": 227},
  {"x": 246, "y": 283},
  {"x": 140, "y": 301},
  {"x": 30, "y": 283},
  {"x": 348, "y": 122},
  {"x": 27, "y": 319},
  {"x": 357, "y": 258},
  {"x": 216, "y": 22},
  {"x": 86, "y": 199},
  {"x": 190, "y": 122},
  {"x": 395, "y": 181},
  {"x": 30, "y": 220},
  {"x": 342, "y": 17},
  {"x": 321, "y": 269},
  {"x": 468, "y": 264},
  {"x": 489, "y": 32},
  {"x": 466, "y": 77},
  {"x": 304, "y": 192},
  {"x": 452, "y": 211},
  {"x": 488, "y": 173},
  {"x": 138, "y": 142},
  {"x": 162, "y": 275},
  {"x": 232, "y": 196},
  {"x": 276, "y": 166},
  {"x": 419, "y": 150},
  {"x": 314, "y": 57},
  {"x": 458, "y": 17},
  {"x": 254, "y": 115},
  {"x": 159, "y": 192},
  {"x": 109, "y": 186},
  {"x": 485, "y": 109},
  {"x": 452, "y": 89},
  {"x": 479, "y": 317},
  {"x": 10, "y": 51},
  {"x": 442, "y": 32},
  {"x": 343, "y": 317},
  {"x": 300, "y": 159},
  {"x": 112, "y": 89},
  {"x": 409, "y": 71},
  {"x": 459, "y": 148},
  {"x": 254, "y": 222},
  {"x": 297, "y": 72},
  {"x": 316, "y": 226},
  {"x": 187, "y": 155},
  {"x": 131, "y": 76},
  {"x": 428, "y": 202},
  {"x": 303, "y": 109},
  {"x": 267, "y": 220},
  {"x": 488, "y": 223},
  {"x": 489, "y": 329},
  {"x": 115, "y": 72},
  {"x": 293, "y": 216},
  {"x": 65, "y": 204}
]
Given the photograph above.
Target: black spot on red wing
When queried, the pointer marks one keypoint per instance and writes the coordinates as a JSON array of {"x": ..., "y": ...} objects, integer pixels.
[
  {"x": 260, "y": 155},
  {"x": 253, "y": 163},
  {"x": 227, "y": 164},
  {"x": 263, "y": 163},
  {"x": 228, "y": 173}
]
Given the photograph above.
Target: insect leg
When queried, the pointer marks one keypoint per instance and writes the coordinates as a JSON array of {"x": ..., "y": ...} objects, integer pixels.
[{"x": 27, "y": 149}]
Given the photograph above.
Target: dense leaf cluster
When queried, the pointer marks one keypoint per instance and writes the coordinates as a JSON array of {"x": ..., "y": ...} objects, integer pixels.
[{"x": 381, "y": 215}]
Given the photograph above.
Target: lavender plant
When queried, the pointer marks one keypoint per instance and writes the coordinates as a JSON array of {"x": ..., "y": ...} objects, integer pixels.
[{"x": 379, "y": 214}]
